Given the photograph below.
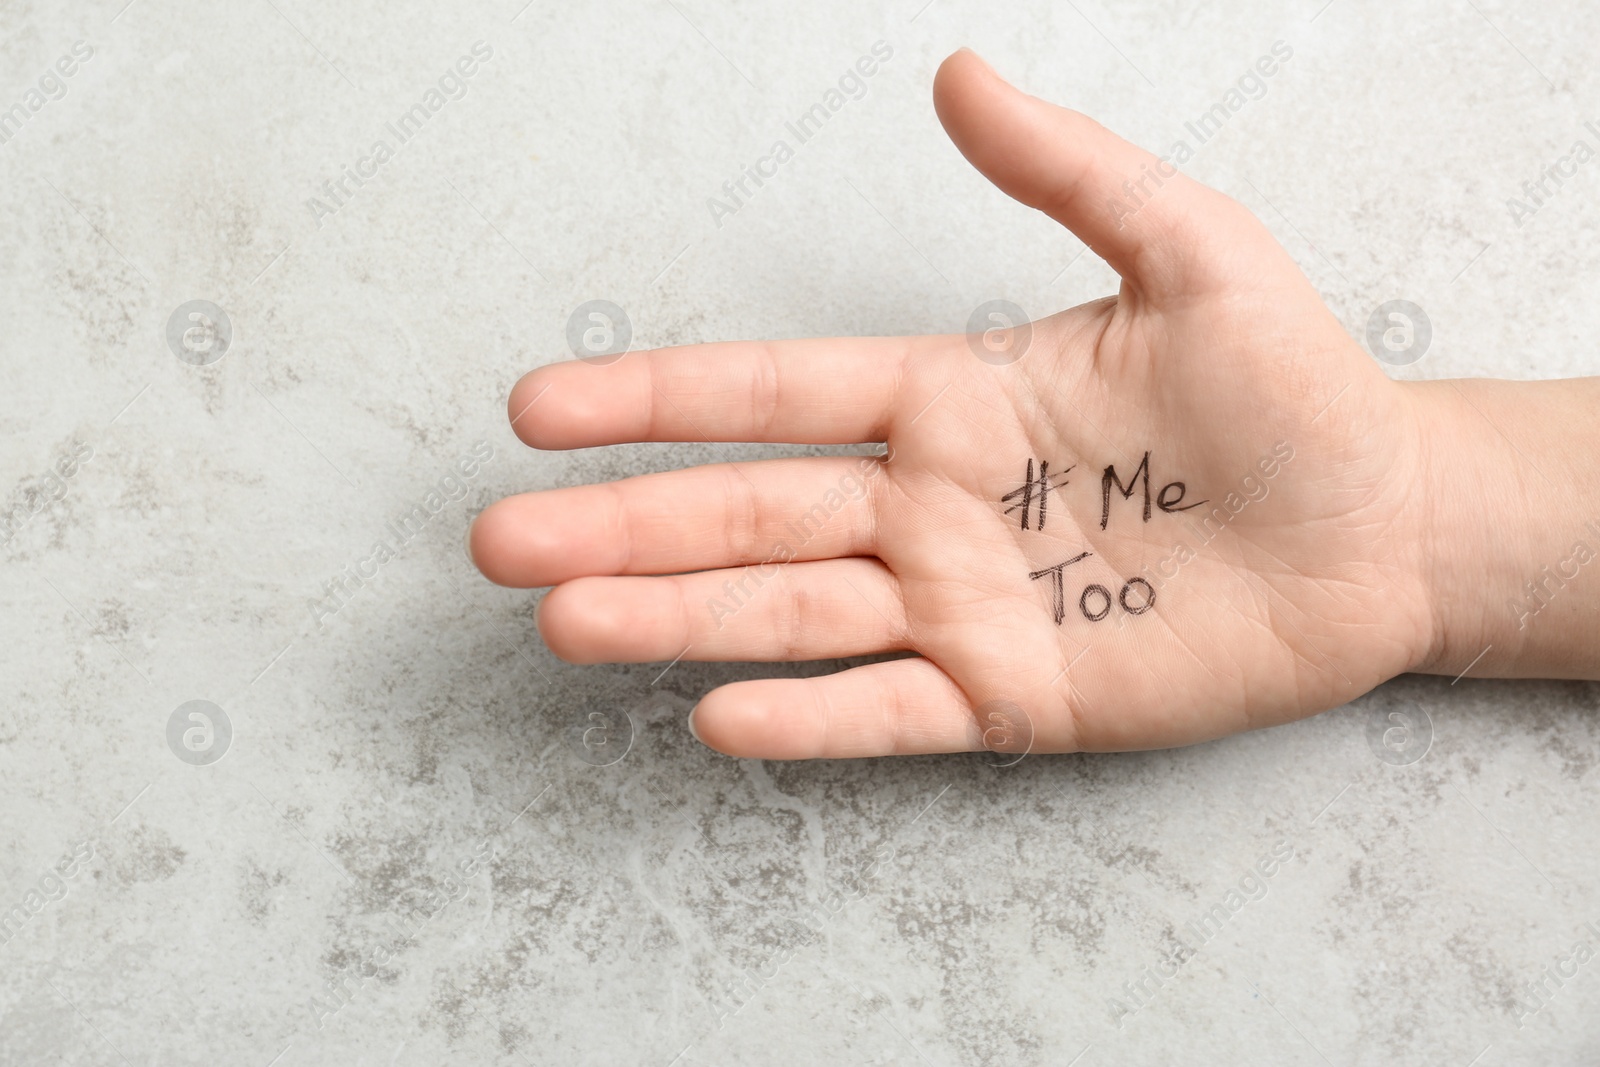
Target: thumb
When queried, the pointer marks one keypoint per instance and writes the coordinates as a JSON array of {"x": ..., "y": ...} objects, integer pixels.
[{"x": 1165, "y": 234}]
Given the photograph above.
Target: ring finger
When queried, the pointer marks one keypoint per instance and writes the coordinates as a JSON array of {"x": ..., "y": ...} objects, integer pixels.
[{"x": 796, "y": 611}]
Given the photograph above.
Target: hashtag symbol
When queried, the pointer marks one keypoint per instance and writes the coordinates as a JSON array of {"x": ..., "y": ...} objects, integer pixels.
[{"x": 1034, "y": 489}]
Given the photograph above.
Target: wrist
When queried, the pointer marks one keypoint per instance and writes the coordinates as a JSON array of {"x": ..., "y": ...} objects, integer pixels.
[
  {"x": 1462, "y": 466},
  {"x": 1509, "y": 526}
]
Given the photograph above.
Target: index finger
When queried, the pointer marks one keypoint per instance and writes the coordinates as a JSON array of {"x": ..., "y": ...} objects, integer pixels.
[{"x": 822, "y": 391}]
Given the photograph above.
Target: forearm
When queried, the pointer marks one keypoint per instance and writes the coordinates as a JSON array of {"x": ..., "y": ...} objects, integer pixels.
[{"x": 1512, "y": 543}]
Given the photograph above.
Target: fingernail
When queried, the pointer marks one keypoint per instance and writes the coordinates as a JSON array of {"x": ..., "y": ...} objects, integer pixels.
[
  {"x": 474, "y": 562},
  {"x": 692, "y": 730}
]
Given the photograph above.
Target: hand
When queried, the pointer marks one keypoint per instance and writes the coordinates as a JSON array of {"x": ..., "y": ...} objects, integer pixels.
[{"x": 1299, "y": 583}]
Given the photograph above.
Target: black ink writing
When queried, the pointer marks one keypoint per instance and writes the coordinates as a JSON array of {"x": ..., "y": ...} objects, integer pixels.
[
  {"x": 1110, "y": 478},
  {"x": 1105, "y": 606},
  {"x": 1031, "y": 488},
  {"x": 1058, "y": 600},
  {"x": 1172, "y": 505},
  {"x": 1169, "y": 499},
  {"x": 1095, "y": 601},
  {"x": 1149, "y": 596}
]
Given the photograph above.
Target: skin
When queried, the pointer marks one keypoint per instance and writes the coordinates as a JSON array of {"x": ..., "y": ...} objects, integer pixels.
[{"x": 1403, "y": 523}]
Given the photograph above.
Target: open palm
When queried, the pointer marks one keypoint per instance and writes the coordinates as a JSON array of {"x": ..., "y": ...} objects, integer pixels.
[{"x": 1146, "y": 521}]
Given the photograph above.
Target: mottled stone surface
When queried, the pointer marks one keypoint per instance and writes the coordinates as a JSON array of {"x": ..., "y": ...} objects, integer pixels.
[{"x": 400, "y": 808}]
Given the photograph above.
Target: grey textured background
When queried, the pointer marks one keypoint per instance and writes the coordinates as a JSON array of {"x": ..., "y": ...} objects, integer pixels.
[{"x": 921, "y": 911}]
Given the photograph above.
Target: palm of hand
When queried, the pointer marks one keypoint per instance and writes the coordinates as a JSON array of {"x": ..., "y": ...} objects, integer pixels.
[
  {"x": 1266, "y": 593},
  {"x": 1216, "y": 367}
]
